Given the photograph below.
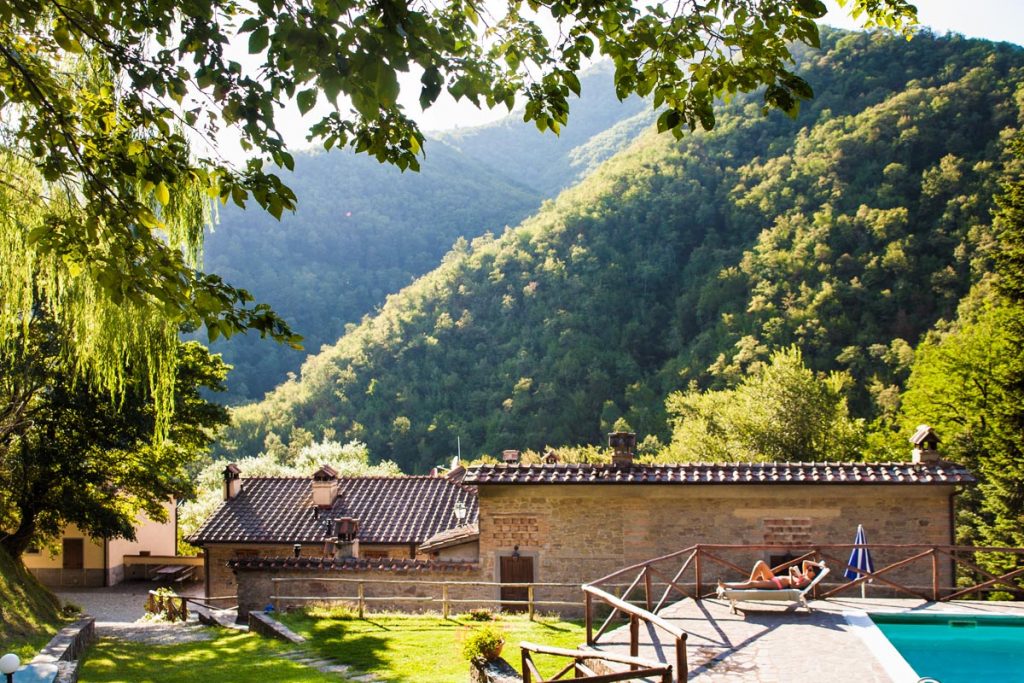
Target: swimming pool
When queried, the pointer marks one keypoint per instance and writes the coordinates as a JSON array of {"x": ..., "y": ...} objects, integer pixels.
[{"x": 958, "y": 648}]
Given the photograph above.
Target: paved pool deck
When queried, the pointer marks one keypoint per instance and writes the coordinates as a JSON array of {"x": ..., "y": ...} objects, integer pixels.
[{"x": 770, "y": 643}]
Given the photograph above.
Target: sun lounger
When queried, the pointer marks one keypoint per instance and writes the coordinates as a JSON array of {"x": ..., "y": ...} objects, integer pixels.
[{"x": 797, "y": 595}]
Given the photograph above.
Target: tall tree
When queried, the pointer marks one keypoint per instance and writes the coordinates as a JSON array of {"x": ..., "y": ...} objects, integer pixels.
[
  {"x": 70, "y": 453},
  {"x": 967, "y": 381},
  {"x": 781, "y": 411},
  {"x": 96, "y": 96}
]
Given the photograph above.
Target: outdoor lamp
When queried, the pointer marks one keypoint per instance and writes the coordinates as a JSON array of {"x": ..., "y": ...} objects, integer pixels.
[
  {"x": 515, "y": 553},
  {"x": 297, "y": 549},
  {"x": 9, "y": 663}
]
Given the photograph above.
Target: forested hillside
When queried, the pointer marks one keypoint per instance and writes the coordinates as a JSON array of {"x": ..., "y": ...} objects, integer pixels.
[
  {"x": 847, "y": 232},
  {"x": 364, "y": 230}
]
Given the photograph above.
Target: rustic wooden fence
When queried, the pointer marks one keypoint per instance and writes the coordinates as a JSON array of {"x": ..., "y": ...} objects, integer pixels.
[
  {"x": 580, "y": 666},
  {"x": 948, "y": 573},
  {"x": 441, "y": 594}
]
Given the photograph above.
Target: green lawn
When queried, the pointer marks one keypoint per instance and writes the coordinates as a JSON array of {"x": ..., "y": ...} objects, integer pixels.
[
  {"x": 231, "y": 657},
  {"x": 423, "y": 649}
]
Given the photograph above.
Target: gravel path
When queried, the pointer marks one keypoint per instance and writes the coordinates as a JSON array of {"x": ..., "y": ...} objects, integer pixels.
[{"x": 119, "y": 609}]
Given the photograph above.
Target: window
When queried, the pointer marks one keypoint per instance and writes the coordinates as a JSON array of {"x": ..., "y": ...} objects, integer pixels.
[
  {"x": 241, "y": 553},
  {"x": 376, "y": 554},
  {"x": 143, "y": 553},
  {"x": 32, "y": 550}
]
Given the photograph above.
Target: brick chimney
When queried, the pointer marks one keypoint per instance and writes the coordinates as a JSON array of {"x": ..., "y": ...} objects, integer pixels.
[
  {"x": 232, "y": 481},
  {"x": 622, "y": 444},
  {"x": 325, "y": 487},
  {"x": 926, "y": 445},
  {"x": 510, "y": 457},
  {"x": 346, "y": 531}
]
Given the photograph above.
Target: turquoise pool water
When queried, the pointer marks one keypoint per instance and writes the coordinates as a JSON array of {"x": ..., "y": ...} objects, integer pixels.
[{"x": 958, "y": 648}]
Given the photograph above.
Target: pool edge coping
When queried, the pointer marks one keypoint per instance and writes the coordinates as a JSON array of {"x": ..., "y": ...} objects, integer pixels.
[{"x": 879, "y": 646}]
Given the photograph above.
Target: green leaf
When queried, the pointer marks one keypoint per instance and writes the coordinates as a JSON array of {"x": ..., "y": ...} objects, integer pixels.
[
  {"x": 386, "y": 87},
  {"x": 306, "y": 100},
  {"x": 258, "y": 40},
  {"x": 161, "y": 193}
]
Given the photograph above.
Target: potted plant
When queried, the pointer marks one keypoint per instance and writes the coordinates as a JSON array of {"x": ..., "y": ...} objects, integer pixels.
[{"x": 484, "y": 643}]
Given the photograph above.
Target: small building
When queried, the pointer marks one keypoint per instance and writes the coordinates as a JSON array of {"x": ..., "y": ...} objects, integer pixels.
[
  {"x": 352, "y": 522},
  {"x": 85, "y": 561}
]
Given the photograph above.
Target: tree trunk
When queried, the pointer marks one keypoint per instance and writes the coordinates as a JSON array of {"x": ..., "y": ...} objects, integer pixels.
[{"x": 18, "y": 542}]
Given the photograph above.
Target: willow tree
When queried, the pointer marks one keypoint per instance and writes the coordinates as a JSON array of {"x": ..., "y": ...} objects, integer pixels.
[{"x": 104, "y": 210}]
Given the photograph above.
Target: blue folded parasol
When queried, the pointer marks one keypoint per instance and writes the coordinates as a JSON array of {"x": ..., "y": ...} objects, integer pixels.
[{"x": 860, "y": 559}]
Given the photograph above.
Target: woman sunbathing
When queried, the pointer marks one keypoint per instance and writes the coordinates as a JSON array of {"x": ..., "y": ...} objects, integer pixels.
[{"x": 762, "y": 577}]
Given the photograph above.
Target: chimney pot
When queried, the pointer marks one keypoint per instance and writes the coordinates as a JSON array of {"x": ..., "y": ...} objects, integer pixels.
[
  {"x": 622, "y": 444},
  {"x": 926, "y": 445},
  {"x": 510, "y": 457},
  {"x": 232, "y": 481},
  {"x": 325, "y": 487}
]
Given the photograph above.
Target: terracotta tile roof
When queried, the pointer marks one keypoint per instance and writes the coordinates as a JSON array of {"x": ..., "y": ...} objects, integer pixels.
[
  {"x": 350, "y": 564},
  {"x": 389, "y": 510},
  {"x": 725, "y": 473},
  {"x": 450, "y": 537}
]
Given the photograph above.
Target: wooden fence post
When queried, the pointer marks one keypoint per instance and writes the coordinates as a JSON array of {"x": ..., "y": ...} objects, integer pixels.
[
  {"x": 526, "y": 669},
  {"x": 681, "y": 666},
  {"x": 589, "y": 617},
  {"x": 362, "y": 601},
  {"x": 647, "y": 587},
  {"x": 529, "y": 600},
  {"x": 634, "y": 638},
  {"x": 697, "y": 571},
  {"x": 935, "y": 575},
  {"x": 444, "y": 601}
]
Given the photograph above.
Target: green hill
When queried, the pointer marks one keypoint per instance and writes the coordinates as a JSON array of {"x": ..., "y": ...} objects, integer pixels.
[
  {"x": 364, "y": 230},
  {"x": 28, "y": 611},
  {"x": 849, "y": 231}
]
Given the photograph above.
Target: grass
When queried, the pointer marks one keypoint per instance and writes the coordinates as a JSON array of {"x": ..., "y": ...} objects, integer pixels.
[
  {"x": 29, "y": 613},
  {"x": 230, "y": 657},
  {"x": 422, "y": 648}
]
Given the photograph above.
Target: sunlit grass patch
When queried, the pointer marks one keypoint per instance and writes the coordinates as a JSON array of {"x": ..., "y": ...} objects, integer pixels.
[
  {"x": 230, "y": 657},
  {"x": 421, "y": 648}
]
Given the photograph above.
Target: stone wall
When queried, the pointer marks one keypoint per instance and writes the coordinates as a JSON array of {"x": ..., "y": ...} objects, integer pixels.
[
  {"x": 398, "y": 588},
  {"x": 222, "y": 582},
  {"x": 579, "y": 533}
]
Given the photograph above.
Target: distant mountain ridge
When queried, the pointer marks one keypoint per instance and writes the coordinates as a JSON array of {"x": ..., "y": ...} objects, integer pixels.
[
  {"x": 364, "y": 230},
  {"x": 849, "y": 232}
]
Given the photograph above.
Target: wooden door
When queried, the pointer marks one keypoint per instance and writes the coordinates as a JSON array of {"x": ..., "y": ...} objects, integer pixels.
[
  {"x": 515, "y": 570},
  {"x": 73, "y": 553}
]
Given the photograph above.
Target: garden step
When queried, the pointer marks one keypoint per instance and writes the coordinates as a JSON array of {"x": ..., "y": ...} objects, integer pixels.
[{"x": 325, "y": 665}]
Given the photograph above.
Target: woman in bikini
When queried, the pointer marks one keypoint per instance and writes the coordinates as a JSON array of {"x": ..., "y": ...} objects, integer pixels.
[{"x": 762, "y": 577}]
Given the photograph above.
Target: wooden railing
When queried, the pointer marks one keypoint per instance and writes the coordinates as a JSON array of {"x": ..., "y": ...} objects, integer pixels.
[
  {"x": 927, "y": 572},
  {"x": 172, "y": 607},
  {"x": 639, "y": 668},
  {"x": 441, "y": 589}
]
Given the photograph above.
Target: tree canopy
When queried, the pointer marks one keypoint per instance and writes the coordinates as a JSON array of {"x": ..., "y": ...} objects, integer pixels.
[
  {"x": 97, "y": 97},
  {"x": 780, "y": 411},
  {"x": 69, "y": 454}
]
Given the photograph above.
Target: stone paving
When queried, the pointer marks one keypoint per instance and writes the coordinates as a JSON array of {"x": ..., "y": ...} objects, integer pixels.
[
  {"x": 119, "y": 608},
  {"x": 770, "y": 643}
]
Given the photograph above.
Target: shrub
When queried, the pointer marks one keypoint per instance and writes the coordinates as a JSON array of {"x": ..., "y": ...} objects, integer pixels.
[
  {"x": 480, "y": 614},
  {"x": 326, "y": 610},
  {"x": 484, "y": 643}
]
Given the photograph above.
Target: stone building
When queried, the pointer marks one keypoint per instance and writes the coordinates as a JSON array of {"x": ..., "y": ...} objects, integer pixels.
[
  {"x": 570, "y": 524},
  {"x": 359, "y": 522}
]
